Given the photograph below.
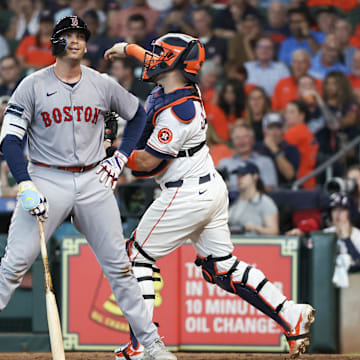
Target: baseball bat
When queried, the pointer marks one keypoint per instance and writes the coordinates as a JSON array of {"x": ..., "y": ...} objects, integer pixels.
[{"x": 56, "y": 341}]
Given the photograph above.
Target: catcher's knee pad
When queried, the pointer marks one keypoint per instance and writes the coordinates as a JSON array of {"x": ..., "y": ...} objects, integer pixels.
[
  {"x": 133, "y": 243},
  {"x": 246, "y": 281}
]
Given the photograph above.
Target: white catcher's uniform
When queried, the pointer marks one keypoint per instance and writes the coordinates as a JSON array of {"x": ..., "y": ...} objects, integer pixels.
[
  {"x": 193, "y": 204},
  {"x": 65, "y": 127},
  {"x": 196, "y": 210}
]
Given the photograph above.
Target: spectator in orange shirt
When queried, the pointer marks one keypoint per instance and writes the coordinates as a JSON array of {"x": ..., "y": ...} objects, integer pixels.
[
  {"x": 34, "y": 51},
  {"x": 287, "y": 89},
  {"x": 218, "y": 149},
  {"x": 229, "y": 108},
  {"x": 257, "y": 105},
  {"x": 209, "y": 77},
  {"x": 299, "y": 135},
  {"x": 217, "y": 118}
]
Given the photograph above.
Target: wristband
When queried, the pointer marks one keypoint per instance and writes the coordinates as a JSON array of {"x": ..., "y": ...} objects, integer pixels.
[
  {"x": 132, "y": 163},
  {"x": 277, "y": 154}
]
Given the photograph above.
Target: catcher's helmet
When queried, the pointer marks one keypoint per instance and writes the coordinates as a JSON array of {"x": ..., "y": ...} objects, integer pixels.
[
  {"x": 174, "y": 51},
  {"x": 58, "y": 44}
]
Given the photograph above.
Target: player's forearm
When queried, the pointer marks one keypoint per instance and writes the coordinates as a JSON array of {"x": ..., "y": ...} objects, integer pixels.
[{"x": 141, "y": 160}]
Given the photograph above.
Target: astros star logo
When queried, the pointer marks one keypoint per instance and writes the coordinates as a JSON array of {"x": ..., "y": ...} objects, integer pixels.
[{"x": 165, "y": 135}]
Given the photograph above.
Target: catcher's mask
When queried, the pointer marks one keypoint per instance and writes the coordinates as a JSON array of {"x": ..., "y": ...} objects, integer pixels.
[
  {"x": 174, "y": 51},
  {"x": 59, "y": 44}
]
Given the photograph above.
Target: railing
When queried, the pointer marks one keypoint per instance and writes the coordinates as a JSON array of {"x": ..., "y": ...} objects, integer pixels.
[{"x": 326, "y": 166}]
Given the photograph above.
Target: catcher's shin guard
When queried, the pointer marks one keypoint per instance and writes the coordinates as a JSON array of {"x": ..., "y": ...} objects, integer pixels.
[
  {"x": 246, "y": 281},
  {"x": 143, "y": 272}
]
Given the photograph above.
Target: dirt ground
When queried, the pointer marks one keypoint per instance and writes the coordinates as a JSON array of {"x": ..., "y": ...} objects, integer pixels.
[{"x": 180, "y": 356}]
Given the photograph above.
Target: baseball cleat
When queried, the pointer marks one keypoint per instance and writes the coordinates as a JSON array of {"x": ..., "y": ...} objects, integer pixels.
[
  {"x": 157, "y": 351},
  {"x": 299, "y": 337},
  {"x": 128, "y": 352}
]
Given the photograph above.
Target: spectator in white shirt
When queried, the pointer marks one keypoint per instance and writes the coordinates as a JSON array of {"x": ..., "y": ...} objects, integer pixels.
[
  {"x": 243, "y": 140},
  {"x": 253, "y": 212},
  {"x": 264, "y": 71}
]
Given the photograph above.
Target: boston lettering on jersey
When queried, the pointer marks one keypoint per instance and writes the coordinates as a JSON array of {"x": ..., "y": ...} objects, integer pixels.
[{"x": 71, "y": 113}]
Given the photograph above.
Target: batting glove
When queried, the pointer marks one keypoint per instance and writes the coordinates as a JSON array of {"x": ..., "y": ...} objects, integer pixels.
[
  {"x": 111, "y": 168},
  {"x": 32, "y": 200}
]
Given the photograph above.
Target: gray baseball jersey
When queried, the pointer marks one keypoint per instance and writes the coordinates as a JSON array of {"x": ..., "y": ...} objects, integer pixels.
[
  {"x": 65, "y": 124},
  {"x": 65, "y": 128}
]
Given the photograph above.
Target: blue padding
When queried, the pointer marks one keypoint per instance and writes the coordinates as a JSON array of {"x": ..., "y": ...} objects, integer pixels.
[{"x": 185, "y": 111}]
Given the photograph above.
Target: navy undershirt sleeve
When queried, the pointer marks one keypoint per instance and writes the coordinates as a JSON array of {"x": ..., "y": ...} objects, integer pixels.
[
  {"x": 12, "y": 148},
  {"x": 133, "y": 131}
]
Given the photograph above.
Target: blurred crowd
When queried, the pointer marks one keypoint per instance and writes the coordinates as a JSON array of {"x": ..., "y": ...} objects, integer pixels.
[{"x": 280, "y": 84}]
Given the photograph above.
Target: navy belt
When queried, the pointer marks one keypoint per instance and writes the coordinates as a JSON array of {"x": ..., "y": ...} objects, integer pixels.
[
  {"x": 192, "y": 151},
  {"x": 178, "y": 183}
]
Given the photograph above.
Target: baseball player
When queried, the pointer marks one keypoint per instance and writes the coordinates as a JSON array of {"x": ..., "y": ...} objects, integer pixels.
[
  {"x": 194, "y": 200},
  {"x": 61, "y": 109}
]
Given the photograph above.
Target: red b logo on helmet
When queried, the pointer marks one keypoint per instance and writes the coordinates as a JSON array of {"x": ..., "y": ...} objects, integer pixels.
[{"x": 74, "y": 21}]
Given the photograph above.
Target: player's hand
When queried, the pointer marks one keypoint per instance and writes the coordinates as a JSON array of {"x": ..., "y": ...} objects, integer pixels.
[
  {"x": 111, "y": 168},
  {"x": 118, "y": 50},
  {"x": 32, "y": 200}
]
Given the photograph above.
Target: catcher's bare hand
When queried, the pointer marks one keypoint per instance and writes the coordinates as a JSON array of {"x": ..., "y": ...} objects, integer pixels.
[{"x": 118, "y": 50}]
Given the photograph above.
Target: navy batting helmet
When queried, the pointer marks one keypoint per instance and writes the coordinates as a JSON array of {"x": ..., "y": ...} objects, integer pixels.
[{"x": 58, "y": 44}]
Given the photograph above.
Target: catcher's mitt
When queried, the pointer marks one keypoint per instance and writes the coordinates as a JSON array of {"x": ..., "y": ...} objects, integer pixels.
[{"x": 111, "y": 125}]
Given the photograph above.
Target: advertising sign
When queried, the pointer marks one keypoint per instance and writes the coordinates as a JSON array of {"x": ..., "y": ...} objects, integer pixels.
[{"x": 193, "y": 314}]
